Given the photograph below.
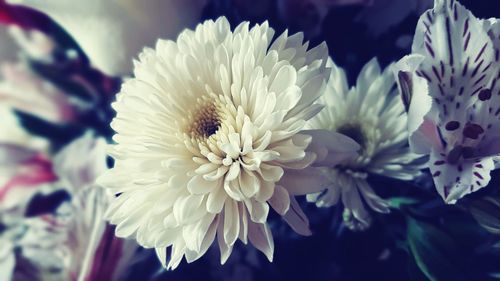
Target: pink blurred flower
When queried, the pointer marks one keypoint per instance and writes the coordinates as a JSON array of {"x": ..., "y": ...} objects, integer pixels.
[
  {"x": 23, "y": 90},
  {"x": 22, "y": 17},
  {"x": 111, "y": 33},
  {"x": 76, "y": 240},
  {"x": 23, "y": 172}
]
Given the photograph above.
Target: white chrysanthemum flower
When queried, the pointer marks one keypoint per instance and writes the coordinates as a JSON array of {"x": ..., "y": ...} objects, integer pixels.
[
  {"x": 205, "y": 130},
  {"x": 450, "y": 84},
  {"x": 373, "y": 115}
]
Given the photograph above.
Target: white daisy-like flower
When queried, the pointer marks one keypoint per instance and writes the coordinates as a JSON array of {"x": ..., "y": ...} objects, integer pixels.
[
  {"x": 372, "y": 114},
  {"x": 205, "y": 130},
  {"x": 451, "y": 88}
]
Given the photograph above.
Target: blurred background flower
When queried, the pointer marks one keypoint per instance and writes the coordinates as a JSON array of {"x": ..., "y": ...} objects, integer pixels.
[
  {"x": 372, "y": 114},
  {"x": 111, "y": 33}
]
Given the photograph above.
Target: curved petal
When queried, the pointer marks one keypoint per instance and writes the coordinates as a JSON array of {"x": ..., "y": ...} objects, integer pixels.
[
  {"x": 261, "y": 237},
  {"x": 305, "y": 181},
  {"x": 458, "y": 58},
  {"x": 331, "y": 147},
  {"x": 296, "y": 218},
  {"x": 455, "y": 181}
]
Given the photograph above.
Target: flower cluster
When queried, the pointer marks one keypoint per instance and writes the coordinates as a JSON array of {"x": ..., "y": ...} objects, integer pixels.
[{"x": 449, "y": 84}]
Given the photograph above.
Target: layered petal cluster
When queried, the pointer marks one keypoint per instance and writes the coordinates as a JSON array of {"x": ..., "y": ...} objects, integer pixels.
[
  {"x": 372, "y": 114},
  {"x": 451, "y": 88},
  {"x": 112, "y": 32},
  {"x": 205, "y": 130}
]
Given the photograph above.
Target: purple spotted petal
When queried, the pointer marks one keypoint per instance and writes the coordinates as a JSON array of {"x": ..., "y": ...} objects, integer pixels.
[
  {"x": 458, "y": 60},
  {"x": 453, "y": 181},
  {"x": 487, "y": 109}
]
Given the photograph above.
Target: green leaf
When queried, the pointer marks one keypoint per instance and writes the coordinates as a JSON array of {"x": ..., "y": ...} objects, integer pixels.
[
  {"x": 397, "y": 202},
  {"x": 435, "y": 252},
  {"x": 486, "y": 211},
  {"x": 414, "y": 271}
]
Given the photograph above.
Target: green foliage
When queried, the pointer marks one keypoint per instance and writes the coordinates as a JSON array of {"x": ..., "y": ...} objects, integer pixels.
[
  {"x": 435, "y": 252},
  {"x": 486, "y": 211},
  {"x": 398, "y": 202}
]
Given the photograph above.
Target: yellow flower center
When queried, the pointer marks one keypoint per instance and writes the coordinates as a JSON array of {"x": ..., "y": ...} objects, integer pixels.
[{"x": 205, "y": 120}]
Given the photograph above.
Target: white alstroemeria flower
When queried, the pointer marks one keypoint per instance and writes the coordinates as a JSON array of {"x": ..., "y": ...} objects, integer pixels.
[
  {"x": 373, "y": 115},
  {"x": 73, "y": 239},
  {"x": 111, "y": 33},
  {"x": 205, "y": 130},
  {"x": 450, "y": 83}
]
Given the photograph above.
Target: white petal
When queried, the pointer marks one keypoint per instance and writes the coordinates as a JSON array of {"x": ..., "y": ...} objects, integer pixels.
[
  {"x": 301, "y": 182},
  {"x": 455, "y": 181},
  {"x": 296, "y": 218},
  {"x": 260, "y": 236},
  {"x": 280, "y": 201}
]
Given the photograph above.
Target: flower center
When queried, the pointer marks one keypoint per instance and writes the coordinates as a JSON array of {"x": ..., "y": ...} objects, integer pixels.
[
  {"x": 355, "y": 132},
  {"x": 205, "y": 121}
]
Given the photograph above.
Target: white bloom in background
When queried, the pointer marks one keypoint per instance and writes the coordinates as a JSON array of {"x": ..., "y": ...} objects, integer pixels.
[
  {"x": 373, "y": 115},
  {"x": 23, "y": 173},
  {"x": 73, "y": 239},
  {"x": 111, "y": 33},
  {"x": 24, "y": 165},
  {"x": 451, "y": 86},
  {"x": 205, "y": 130}
]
